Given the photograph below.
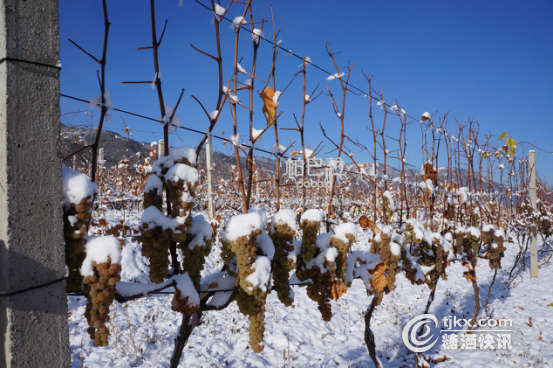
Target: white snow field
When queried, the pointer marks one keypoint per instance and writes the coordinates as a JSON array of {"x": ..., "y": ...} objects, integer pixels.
[{"x": 143, "y": 330}]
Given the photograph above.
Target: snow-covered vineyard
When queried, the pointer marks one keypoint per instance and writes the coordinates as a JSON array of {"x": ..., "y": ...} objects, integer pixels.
[
  {"x": 296, "y": 256},
  {"x": 144, "y": 330},
  {"x": 315, "y": 286},
  {"x": 266, "y": 208}
]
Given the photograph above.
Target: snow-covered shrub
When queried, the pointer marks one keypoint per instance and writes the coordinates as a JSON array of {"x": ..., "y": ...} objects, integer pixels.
[
  {"x": 545, "y": 220},
  {"x": 493, "y": 240},
  {"x": 195, "y": 248},
  {"x": 186, "y": 299},
  {"x": 175, "y": 173},
  {"x": 431, "y": 250},
  {"x": 471, "y": 244},
  {"x": 325, "y": 283},
  {"x": 342, "y": 240},
  {"x": 157, "y": 231},
  {"x": 78, "y": 197},
  {"x": 310, "y": 224},
  {"x": 100, "y": 269},
  {"x": 323, "y": 260},
  {"x": 253, "y": 250},
  {"x": 383, "y": 278},
  {"x": 283, "y": 230}
]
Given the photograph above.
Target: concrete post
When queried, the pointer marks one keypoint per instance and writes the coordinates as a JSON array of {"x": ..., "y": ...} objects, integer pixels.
[
  {"x": 33, "y": 323},
  {"x": 160, "y": 148},
  {"x": 257, "y": 184},
  {"x": 209, "y": 168},
  {"x": 101, "y": 160},
  {"x": 533, "y": 200}
]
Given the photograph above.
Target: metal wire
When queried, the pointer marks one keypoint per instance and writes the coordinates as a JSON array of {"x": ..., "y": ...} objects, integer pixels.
[
  {"x": 173, "y": 125},
  {"x": 172, "y": 292},
  {"x": 365, "y": 94},
  {"x": 7, "y": 58},
  {"x": 291, "y": 53},
  {"x": 4, "y": 294}
]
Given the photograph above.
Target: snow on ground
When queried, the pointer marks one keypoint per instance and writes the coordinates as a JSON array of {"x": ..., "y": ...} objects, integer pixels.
[{"x": 142, "y": 331}]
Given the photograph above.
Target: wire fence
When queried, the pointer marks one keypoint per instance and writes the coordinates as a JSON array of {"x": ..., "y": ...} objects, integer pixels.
[
  {"x": 363, "y": 92},
  {"x": 380, "y": 178},
  {"x": 395, "y": 109},
  {"x": 308, "y": 61},
  {"x": 173, "y": 125}
]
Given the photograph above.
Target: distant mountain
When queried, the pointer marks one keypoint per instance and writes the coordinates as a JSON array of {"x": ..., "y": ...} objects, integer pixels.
[{"x": 117, "y": 147}]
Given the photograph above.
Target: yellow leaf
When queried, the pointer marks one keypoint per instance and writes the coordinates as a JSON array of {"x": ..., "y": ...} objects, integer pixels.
[
  {"x": 269, "y": 107},
  {"x": 338, "y": 289},
  {"x": 503, "y": 135},
  {"x": 511, "y": 143},
  {"x": 379, "y": 281}
]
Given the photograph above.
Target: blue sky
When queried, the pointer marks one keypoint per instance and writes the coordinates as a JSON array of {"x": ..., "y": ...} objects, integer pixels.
[{"x": 489, "y": 60}]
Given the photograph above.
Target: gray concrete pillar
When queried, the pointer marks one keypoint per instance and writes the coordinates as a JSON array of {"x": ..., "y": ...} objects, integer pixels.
[
  {"x": 532, "y": 189},
  {"x": 33, "y": 323},
  {"x": 160, "y": 148},
  {"x": 209, "y": 171}
]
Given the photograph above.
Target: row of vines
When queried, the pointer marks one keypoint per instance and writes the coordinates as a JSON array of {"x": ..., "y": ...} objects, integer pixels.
[{"x": 464, "y": 203}]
